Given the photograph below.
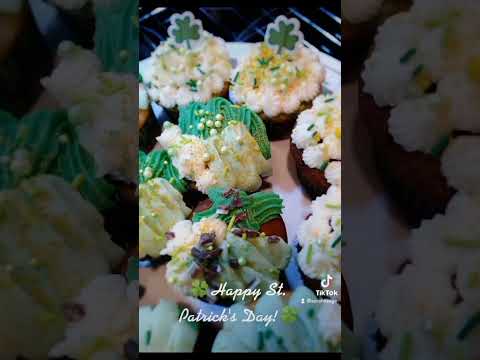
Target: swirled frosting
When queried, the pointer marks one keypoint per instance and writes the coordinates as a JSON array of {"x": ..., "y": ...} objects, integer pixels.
[
  {"x": 259, "y": 208},
  {"x": 314, "y": 327},
  {"x": 47, "y": 143},
  {"x": 101, "y": 106},
  {"x": 179, "y": 75},
  {"x": 276, "y": 84},
  {"x": 320, "y": 237},
  {"x": 230, "y": 158},
  {"x": 158, "y": 163},
  {"x": 318, "y": 132},
  {"x": 107, "y": 299},
  {"x": 217, "y": 114},
  {"x": 161, "y": 206},
  {"x": 211, "y": 252},
  {"x": 60, "y": 247},
  {"x": 160, "y": 331}
]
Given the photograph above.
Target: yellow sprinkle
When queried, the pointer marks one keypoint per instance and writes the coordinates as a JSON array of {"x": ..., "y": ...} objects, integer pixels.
[
  {"x": 474, "y": 69},
  {"x": 423, "y": 80},
  {"x": 317, "y": 137},
  {"x": 338, "y": 132},
  {"x": 231, "y": 223}
]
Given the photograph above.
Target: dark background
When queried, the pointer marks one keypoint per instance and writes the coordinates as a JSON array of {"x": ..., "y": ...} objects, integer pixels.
[{"x": 321, "y": 25}]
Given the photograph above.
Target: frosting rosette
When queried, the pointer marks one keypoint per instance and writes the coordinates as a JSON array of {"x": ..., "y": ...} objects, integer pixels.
[
  {"x": 60, "y": 246},
  {"x": 161, "y": 206},
  {"x": 274, "y": 83},
  {"x": 180, "y": 75},
  {"x": 302, "y": 326}
]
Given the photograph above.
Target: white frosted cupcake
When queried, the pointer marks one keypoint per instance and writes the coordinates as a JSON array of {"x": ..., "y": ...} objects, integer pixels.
[
  {"x": 316, "y": 145},
  {"x": 320, "y": 238},
  {"x": 278, "y": 82},
  {"x": 188, "y": 69}
]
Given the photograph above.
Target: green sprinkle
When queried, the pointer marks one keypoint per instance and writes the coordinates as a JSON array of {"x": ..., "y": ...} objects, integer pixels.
[
  {"x": 408, "y": 55},
  {"x": 406, "y": 347},
  {"x": 469, "y": 326},
  {"x": 333, "y": 206},
  {"x": 309, "y": 254},
  {"x": 264, "y": 62},
  {"x": 329, "y": 100},
  {"x": 462, "y": 243},
  {"x": 311, "y": 313},
  {"x": 310, "y": 127},
  {"x": 418, "y": 70},
  {"x": 200, "y": 70},
  {"x": 337, "y": 241},
  {"x": 274, "y": 68},
  {"x": 254, "y": 83},
  {"x": 193, "y": 85},
  {"x": 440, "y": 147},
  {"x": 236, "y": 77},
  {"x": 324, "y": 165},
  {"x": 260, "y": 341},
  {"x": 148, "y": 337}
]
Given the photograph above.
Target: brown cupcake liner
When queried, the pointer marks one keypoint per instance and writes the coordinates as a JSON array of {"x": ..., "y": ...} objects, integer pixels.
[{"x": 313, "y": 181}]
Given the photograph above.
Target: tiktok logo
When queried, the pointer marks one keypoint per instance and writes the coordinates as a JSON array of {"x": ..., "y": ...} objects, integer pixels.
[{"x": 327, "y": 281}]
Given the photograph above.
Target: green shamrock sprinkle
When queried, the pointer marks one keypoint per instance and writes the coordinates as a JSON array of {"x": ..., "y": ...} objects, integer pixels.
[
  {"x": 282, "y": 36},
  {"x": 199, "y": 288},
  {"x": 289, "y": 314},
  {"x": 193, "y": 85}
]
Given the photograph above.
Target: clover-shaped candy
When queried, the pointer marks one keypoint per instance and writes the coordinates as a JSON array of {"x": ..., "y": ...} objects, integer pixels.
[
  {"x": 199, "y": 288},
  {"x": 284, "y": 34},
  {"x": 289, "y": 314},
  {"x": 184, "y": 29}
]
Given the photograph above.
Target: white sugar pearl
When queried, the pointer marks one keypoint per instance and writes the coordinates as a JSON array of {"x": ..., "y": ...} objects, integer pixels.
[
  {"x": 218, "y": 124},
  {"x": 213, "y": 132},
  {"x": 219, "y": 117},
  {"x": 201, "y": 126},
  {"x": 209, "y": 123},
  {"x": 148, "y": 173}
]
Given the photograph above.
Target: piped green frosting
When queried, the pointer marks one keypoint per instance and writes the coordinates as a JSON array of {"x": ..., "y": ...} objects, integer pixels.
[
  {"x": 259, "y": 208},
  {"x": 47, "y": 143},
  {"x": 191, "y": 115},
  {"x": 116, "y": 35},
  {"x": 159, "y": 164}
]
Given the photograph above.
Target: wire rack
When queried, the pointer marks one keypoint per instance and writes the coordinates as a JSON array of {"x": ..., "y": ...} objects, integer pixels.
[{"x": 321, "y": 25}]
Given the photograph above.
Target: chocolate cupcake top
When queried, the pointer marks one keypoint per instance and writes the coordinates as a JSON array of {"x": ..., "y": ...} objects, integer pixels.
[
  {"x": 223, "y": 245},
  {"x": 320, "y": 238},
  {"x": 300, "y": 326},
  {"x": 161, "y": 206},
  {"x": 279, "y": 73},
  {"x": 47, "y": 143},
  {"x": 161, "y": 331},
  {"x": 191, "y": 65},
  {"x": 60, "y": 246},
  {"x": 229, "y": 156},
  {"x": 318, "y": 133}
]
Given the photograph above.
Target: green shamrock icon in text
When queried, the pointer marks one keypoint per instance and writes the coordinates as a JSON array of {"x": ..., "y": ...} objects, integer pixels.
[
  {"x": 283, "y": 34},
  {"x": 289, "y": 314},
  {"x": 199, "y": 288},
  {"x": 185, "y": 29}
]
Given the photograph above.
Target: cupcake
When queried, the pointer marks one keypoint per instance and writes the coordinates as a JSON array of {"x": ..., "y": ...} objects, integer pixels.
[
  {"x": 64, "y": 249},
  {"x": 218, "y": 144},
  {"x": 226, "y": 246},
  {"x": 316, "y": 145},
  {"x": 161, "y": 331},
  {"x": 301, "y": 324},
  {"x": 191, "y": 65},
  {"x": 280, "y": 77},
  {"x": 319, "y": 238},
  {"x": 419, "y": 93},
  {"x": 90, "y": 315},
  {"x": 161, "y": 207}
]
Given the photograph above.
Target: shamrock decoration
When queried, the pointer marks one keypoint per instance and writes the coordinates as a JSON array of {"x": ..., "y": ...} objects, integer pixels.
[
  {"x": 284, "y": 33},
  {"x": 289, "y": 314},
  {"x": 185, "y": 29},
  {"x": 199, "y": 288}
]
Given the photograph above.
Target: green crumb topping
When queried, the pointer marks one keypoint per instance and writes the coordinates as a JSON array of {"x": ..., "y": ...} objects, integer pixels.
[
  {"x": 221, "y": 110},
  {"x": 193, "y": 84},
  {"x": 309, "y": 254},
  {"x": 408, "y": 55},
  {"x": 158, "y": 163},
  {"x": 230, "y": 205},
  {"x": 324, "y": 165}
]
